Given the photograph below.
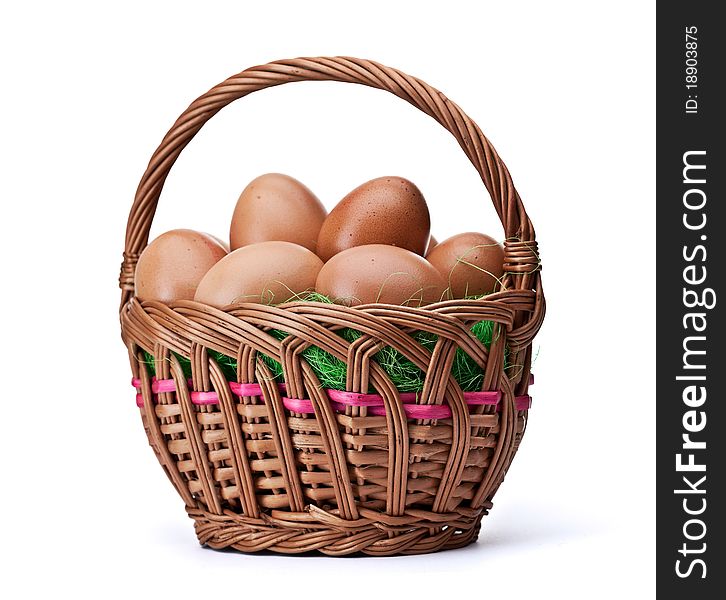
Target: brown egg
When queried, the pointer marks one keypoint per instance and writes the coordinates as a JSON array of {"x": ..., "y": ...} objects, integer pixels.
[
  {"x": 267, "y": 273},
  {"x": 276, "y": 207},
  {"x": 387, "y": 210},
  {"x": 171, "y": 267},
  {"x": 471, "y": 263},
  {"x": 380, "y": 273}
]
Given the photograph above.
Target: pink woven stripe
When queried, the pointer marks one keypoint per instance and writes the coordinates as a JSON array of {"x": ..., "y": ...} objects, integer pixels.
[
  {"x": 204, "y": 397},
  {"x": 482, "y": 397},
  {"x": 523, "y": 402},
  {"x": 413, "y": 411},
  {"x": 420, "y": 411},
  {"x": 245, "y": 389},
  {"x": 356, "y": 399},
  {"x": 339, "y": 399},
  {"x": 299, "y": 406},
  {"x": 162, "y": 385}
]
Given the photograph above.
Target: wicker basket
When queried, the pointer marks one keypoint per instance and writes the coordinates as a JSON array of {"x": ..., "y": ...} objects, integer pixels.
[{"x": 293, "y": 468}]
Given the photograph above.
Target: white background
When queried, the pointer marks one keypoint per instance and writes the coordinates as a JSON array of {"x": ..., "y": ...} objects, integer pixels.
[{"x": 564, "y": 90}]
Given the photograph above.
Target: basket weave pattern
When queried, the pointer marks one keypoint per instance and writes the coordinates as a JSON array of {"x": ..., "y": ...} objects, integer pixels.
[{"x": 256, "y": 475}]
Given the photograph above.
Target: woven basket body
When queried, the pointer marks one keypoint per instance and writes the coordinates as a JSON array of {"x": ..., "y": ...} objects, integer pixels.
[{"x": 295, "y": 467}]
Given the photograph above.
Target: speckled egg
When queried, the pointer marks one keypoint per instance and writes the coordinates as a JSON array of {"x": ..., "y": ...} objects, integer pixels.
[{"x": 388, "y": 210}]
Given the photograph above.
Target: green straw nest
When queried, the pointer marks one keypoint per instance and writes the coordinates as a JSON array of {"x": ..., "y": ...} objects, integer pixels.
[{"x": 331, "y": 371}]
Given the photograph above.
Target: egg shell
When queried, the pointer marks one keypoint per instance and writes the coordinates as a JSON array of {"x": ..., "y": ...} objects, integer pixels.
[
  {"x": 387, "y": 210},
  {"x": 380, "y": 273},
  {"x": 171, "y": 266},
  {"x": 276, "y": 207},
  {"x": 266, "y": 273},
  {"x": 471, "y": 263}
]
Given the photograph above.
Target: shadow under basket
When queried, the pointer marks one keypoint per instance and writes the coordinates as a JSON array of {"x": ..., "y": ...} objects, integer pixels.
[{"x": 293, "y": 467}]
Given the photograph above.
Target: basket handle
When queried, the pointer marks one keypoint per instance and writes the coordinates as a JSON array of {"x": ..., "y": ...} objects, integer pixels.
[{"x": 520, "y": 247}]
